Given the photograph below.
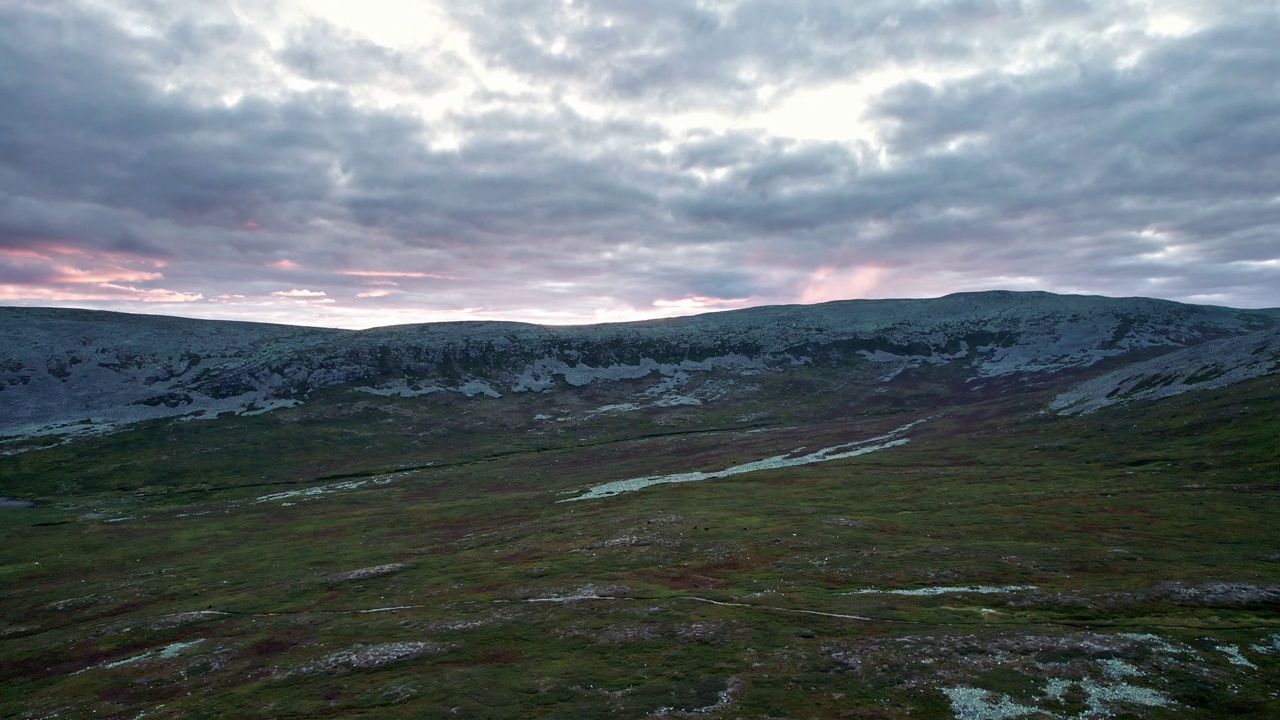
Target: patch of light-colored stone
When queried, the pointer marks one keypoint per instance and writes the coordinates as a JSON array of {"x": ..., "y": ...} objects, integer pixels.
[
  {"x": 982, "y": 589},
  {"x": 1100, "y": 696},
  {"x": 1234, "y": 656},
  {"x": 1157, "y": 643},
  {"x": 400, "y": 388},
  {"x": 1272, "y": 644},
  {"x": 836, "y": 452},
  {"x": 478, "y": 387},
  {"x": 322, "y": 490},
  {"x": 164, "y": 653},
  {"x": 1116, "y": 668},
  {"x": 970, "y": 703},
  {"x": 360, "y": 656},
  {"x": 1056, "y": 689}
]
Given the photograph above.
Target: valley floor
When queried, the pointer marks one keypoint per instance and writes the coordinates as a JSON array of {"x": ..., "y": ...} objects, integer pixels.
[{"x": 1002, "y": 563}]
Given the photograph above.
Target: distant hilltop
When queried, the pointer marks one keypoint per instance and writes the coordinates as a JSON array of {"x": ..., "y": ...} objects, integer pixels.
[{"x": 68, "y": 371}]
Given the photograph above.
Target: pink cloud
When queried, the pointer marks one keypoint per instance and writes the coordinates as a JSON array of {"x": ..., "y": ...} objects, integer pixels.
[
  {"x": 698, "y": 302},
  {"x": 828, "y": 283},
  {"x": 374, "y": 293},
  {"x": 67, "y": 274},
  {"x": 667, "y": 308},
  {"x": 395, "y": 274},
  {"x": 55, "y": 272},
  {"x": 284, "y": 264},
  {"x": 159, "y": 295},
  {"x": 103, "y": 291}
]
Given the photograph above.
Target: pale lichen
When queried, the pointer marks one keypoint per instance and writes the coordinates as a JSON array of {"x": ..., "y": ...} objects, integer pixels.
[
  {"x": 836, "y": 452},
  {"x": 980, "y": 589},
  {"x": 1268, "y": 646},
  {"x": 369, "y": 656},
  {"x": 1234, "y": 655},
  {"x": 970, "y": 703},
  {"x": 164, "y": 653}
]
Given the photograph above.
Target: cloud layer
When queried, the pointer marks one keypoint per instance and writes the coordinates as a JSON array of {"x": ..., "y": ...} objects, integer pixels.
[{"x": 572, "y": 161}]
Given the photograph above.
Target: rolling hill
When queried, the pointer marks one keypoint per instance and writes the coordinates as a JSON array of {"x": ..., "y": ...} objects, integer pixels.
[{"x": 987, "y": 505}]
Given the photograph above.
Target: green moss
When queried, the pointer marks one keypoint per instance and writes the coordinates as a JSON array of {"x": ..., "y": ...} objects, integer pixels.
[{"x": 1096, "y": 511}]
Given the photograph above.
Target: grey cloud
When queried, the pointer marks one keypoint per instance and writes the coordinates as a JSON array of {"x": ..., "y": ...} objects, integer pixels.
[
  {"x": 1054, "y": 144},
  {"x": 325, "y": 53},
  {"x": 681, "y": 54},
  {"x": 1048, "y": 173},
  {"x": 81, "y": 125}
]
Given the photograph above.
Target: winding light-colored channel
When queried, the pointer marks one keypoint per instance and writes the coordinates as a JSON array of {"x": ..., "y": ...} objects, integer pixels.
[{"x": 835, "y": 452}]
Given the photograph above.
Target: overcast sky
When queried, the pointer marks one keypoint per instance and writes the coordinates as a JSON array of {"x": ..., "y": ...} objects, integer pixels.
[{"x": 329, "y": 162}]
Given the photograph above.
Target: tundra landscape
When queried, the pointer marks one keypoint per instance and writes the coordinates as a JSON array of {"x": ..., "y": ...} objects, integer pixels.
[{"x": 984, "y": 506}]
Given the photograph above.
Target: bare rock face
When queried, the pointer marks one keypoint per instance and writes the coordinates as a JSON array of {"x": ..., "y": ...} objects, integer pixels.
[
  {"x": 1214, "y": 364},
  {"x": 66, "y": 371}
]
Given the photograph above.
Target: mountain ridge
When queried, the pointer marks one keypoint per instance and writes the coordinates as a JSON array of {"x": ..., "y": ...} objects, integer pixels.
[
  {"x": 988, "y": 506},
  {"x": 76, "y": 371}
]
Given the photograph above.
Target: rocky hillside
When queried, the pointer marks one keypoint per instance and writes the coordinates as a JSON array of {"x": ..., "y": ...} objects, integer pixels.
[
  {"x": 85, "y": 371},
  {"x": 1213, "y": 364}
]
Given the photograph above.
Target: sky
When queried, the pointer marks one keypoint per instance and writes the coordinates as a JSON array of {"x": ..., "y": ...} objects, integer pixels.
[{"x": 353, "y": 164}]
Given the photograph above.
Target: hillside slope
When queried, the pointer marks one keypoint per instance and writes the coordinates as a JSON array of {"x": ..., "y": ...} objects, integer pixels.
[
  {"x": 1214, "y": 364},
  {"x": 76, "y": 371}
]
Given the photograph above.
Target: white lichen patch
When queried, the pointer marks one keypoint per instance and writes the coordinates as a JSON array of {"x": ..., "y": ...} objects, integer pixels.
[
  {"x": 176, "y": 619},
  {"x": 368, "y": 656},
  {"x": 1234, "y": 656},
  {"x": 836, "y": 452},
  {"x": 322, "y": 490},
  {"x": 1101, "y": 700},
  {"x": 669, "y": 383},
  {"x": 165, "y": 653},
  {"x": 1116, "y": 668},
  {"x": 1056, "y": 689},
  {"x": 970, "y": 703},
  {"x": 367, "y": 572},
  {"x": 586, "y": 592},
  {"x": 980, "y": 589},
  {"x": 1159, "y": 644},
  {"x": 1101, "y": 697},
  {"x": 68, "y": 602},
  {"x": 1268, "y": 646}
]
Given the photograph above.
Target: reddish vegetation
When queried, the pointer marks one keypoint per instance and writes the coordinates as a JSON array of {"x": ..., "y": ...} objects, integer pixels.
[
  {"x": 502, "y": 656},
  {"x": 278, "y": 643},
  {"x": 679, "y": 579},
  {"x": 520, "y": 555}
]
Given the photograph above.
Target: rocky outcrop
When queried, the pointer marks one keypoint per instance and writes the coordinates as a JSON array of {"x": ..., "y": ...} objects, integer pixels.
[
  {"x": 77, "y": 370},
  {"x": 1214, "y": 364}
]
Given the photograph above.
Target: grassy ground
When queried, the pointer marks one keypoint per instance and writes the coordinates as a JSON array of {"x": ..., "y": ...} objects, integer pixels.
[{"x": 433, "y": 572}]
